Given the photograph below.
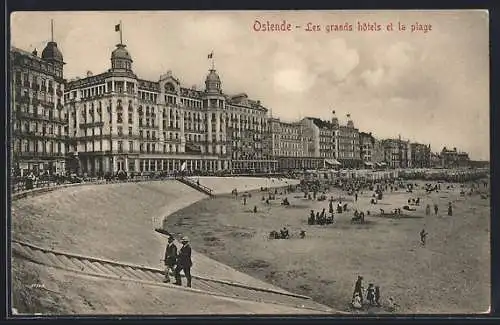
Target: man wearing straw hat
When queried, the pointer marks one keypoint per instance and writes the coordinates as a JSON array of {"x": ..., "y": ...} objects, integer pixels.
[{"x": 184, "y": 262}]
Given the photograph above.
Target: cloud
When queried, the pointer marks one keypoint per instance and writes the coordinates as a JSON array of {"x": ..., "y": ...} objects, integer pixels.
[
  {"x": 292, "y": 81},
  {"x": 398, "y": 73},
  {"x": 373, "y": 78},
  {"x": 333, "y": 59}
]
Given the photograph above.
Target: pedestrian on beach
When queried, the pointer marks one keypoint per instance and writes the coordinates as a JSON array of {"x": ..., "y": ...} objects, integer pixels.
[
  {"x": 358, "y": 288},
  {"x": 423, "y": 236},
  {"x": 356, "y": 301},
  {"x": 428, "y": 210},
  {"x": 170, "y": 258},
  {"x": 184, "y": 262},
  {"x": 377, "y": 295},
  {"x": 370, "y": 294},
  {"x": 436, "y": 209},
  {"x": 450, "y": 209}
]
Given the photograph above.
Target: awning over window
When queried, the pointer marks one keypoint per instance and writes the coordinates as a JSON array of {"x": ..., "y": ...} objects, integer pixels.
[
  {"x": 333, "y": 162},
  {"x": 381, "y": 164},
  {"x": 368, "y": 163}
]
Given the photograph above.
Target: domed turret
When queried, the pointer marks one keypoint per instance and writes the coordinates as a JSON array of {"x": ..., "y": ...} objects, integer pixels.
[
  {"x": 52, "y": 53},
  {"x": 350, "y": 123},
  {"x": 335, "y": 120},
  {"x": 120, "y": 58},
  {"x": 212, "y": 82}
]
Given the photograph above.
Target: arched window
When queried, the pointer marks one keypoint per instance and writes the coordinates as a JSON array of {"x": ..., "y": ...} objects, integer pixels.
[{"x": 169, "y": 87}]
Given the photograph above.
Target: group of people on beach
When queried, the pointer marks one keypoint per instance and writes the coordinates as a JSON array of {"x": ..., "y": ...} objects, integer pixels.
[{"x": 372, "y": 294}]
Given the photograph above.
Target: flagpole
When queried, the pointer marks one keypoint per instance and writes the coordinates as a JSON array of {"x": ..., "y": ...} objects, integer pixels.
[
  {"x": 52, "y": 30},
  {"x": 121, "y": 41}
]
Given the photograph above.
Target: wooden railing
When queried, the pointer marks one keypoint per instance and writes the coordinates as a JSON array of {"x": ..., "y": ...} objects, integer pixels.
[{"x": 195, "y": 185}]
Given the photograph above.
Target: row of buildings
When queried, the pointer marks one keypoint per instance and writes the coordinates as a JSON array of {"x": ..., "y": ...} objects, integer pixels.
[{"x": 116, "y": 121}]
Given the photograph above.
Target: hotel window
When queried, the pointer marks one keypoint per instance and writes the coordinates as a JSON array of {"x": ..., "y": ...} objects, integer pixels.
[
  {"x": 120, "y": 131},
  {"x": 120, "y": 146},
  {"x": 119, "y": 86},
  {"x": 131, "y": 146}
]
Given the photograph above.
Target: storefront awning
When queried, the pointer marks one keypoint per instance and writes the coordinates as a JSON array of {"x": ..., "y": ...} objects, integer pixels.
[
  {"x": 333, "y": 162},
  {"x": 381, "y": 164},
  {"x": 368, "y": 163}
]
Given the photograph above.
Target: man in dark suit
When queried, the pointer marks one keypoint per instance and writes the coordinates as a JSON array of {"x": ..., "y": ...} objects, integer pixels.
[
  {"x": 170, "y": 258},
  {"x": 184, "y": 262},
  {"x": 358, "y": 288}
]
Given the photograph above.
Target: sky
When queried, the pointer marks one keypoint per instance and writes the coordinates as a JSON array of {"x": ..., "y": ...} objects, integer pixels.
[{"x": 430, "y": 85}]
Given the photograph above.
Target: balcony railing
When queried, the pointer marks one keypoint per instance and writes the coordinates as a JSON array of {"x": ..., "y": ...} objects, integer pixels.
[
  {"x": 39, "y": 154},
  {"x": 92, "y": 124},
  {"x": 36, "y": 116}
]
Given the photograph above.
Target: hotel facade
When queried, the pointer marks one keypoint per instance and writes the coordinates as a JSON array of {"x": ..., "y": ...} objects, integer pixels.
[
  {"x": 115, "y": 121},
  {"x": 38, "y": 114},
  {"x": 119, "y": 122}
]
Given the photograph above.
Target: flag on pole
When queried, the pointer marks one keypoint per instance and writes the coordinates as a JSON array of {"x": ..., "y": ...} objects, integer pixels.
[
  {"x": 117, "y": 28},
  {"x": 183, "y": 166},
  {"x": 211, "y": 55}
]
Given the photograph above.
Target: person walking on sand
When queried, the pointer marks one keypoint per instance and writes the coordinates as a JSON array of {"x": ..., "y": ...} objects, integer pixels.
[
  {"x": 370, "y": 295},
  {"x": 423, "y": 236},
  {"x": 450, "y": 209},
  {"x": 184, "y": 262},
  {"x": 436, "y": 209},
  {"x": 170, "y": 258},
  {"x": 358, "y": 288},
  {"x": 377, "y": 295},
  {"x": 428, "y": 210}
]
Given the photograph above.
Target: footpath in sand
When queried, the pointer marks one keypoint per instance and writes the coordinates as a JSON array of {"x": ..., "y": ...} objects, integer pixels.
[{"x": 116, "y": 221}]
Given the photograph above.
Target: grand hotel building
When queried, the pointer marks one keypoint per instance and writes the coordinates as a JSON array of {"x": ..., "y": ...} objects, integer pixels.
[
  {"x": 115, "y": 121},
  {"x": 119, "y": 122},
  {"x": 38, "y": 116}
]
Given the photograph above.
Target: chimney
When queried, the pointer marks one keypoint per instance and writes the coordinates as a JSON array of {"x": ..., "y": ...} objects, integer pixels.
[
  {"x": 89, "y": 73},
  {"x": 35, "y": 53}
]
